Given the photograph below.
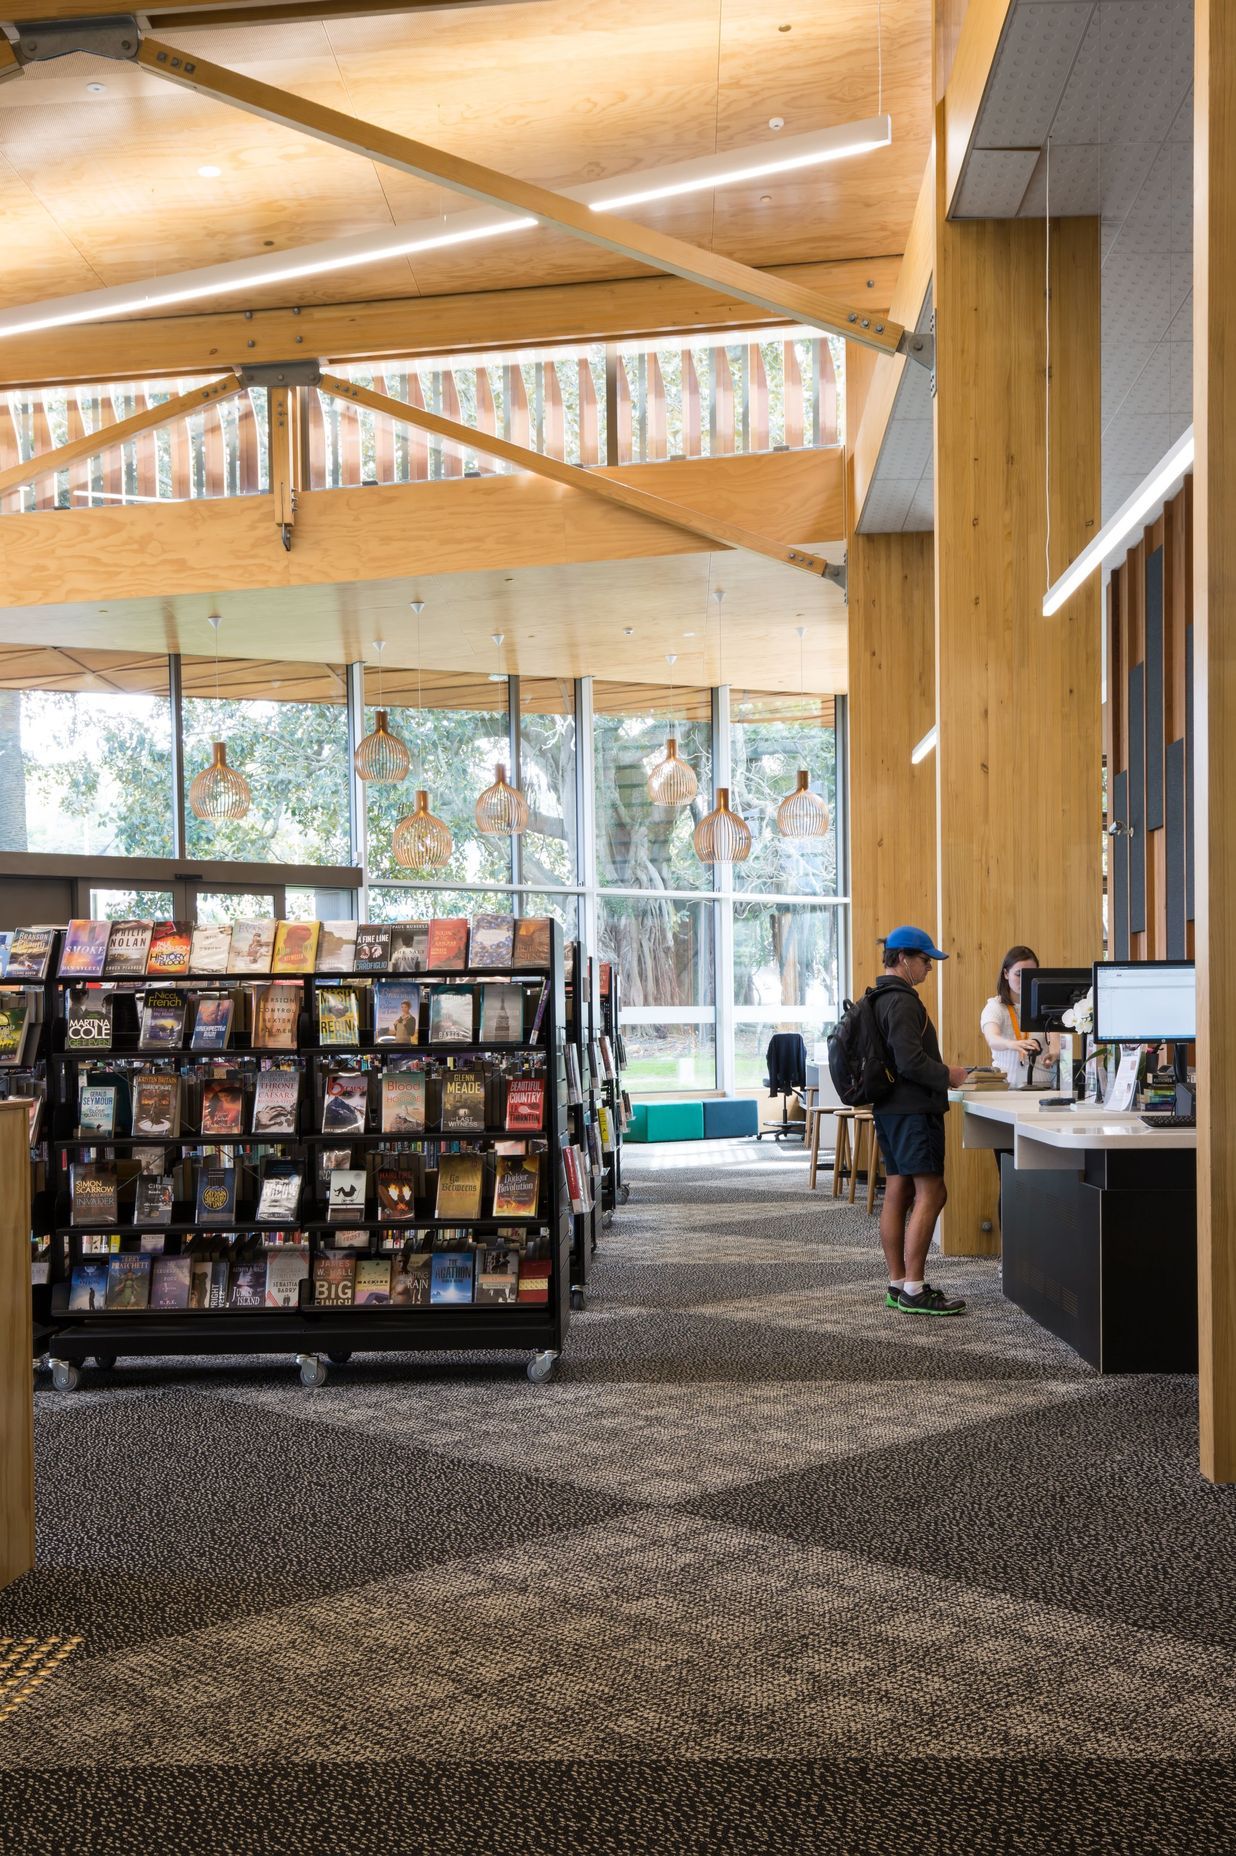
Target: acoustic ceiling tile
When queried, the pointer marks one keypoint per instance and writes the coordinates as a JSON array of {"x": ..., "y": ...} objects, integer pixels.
[
  {"x": 908, "y": 446},
  {"x": 922, "y": 512},
  {"x": 1036, "y": 55},
  {"x": 1181, "y": 364},
  {"x": 994, "y": 183},
  {"x": 1074, "y": 183}
]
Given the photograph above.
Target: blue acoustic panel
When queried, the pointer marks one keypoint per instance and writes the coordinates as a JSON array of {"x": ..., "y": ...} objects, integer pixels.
[
  {"x": 1154, "y": 691},
  {"x": 1118, "y": 871},
  {"x": 1174, "y": 828},
  {"x": 1190, "y": 816},
  {"x": 1137, "y": 799}
]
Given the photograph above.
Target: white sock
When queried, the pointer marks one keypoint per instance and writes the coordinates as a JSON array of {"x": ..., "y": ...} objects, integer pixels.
[
  {"x": 894, "y": 1286},
  {"x": 912, "y": 1288}
]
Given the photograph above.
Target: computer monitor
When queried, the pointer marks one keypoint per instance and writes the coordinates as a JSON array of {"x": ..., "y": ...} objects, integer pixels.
[
  {"x": 1047, "y": 993},
  {"x": 1145, "y": 1002}
]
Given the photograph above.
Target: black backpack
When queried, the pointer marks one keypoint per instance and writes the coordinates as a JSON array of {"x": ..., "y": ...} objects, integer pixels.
[{"x": 858, "y": 1058}]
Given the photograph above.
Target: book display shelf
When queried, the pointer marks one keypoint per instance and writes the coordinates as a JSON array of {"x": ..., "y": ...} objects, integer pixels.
[
  {"x": 25, "y": 1049},
  {"x": 367, "y": 1158},
  {"x": 585, "y": 1172},
  {"x": 615, "y": 1107}
]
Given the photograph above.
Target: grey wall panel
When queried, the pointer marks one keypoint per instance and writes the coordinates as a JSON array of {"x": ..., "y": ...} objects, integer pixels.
[
  {"x": 1154, "y": 691},
  {"x": 1137, "y": 799},
  {"x": 1118, "y": 872},
  {"x": 1174, "y": 830}
]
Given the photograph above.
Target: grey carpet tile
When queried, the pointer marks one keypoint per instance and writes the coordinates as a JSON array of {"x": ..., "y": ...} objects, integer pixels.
[{"x": 662, "y": 1283}]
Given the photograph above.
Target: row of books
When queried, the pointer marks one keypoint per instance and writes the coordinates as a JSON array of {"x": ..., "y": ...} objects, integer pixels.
[
  {"x": 171, "y": 950},
  {"x": 494, "y": 1275},
  {"x": 470, "y": 1099},
  {"x": 530, "y": 1240}
]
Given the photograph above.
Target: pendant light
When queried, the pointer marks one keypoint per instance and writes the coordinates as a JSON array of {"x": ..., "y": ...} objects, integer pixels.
[
  {"x": 501, "y": 810},
  {"x": 672, "y": 782},
  {"x": 421, "y": 841},
  {"x": 722, "y": 836},
  {"x": 381, "y": 756},
  {"x": 218, "y": 791},
  {"x": 802, "y": 813}
]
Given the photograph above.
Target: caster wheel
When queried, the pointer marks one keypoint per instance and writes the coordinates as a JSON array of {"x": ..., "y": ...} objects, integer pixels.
[
  {"x": 578, "y": 1301},
  {"x": 65, "y": 1376},
  {"x": 105, "y": 1361},
  {"x": 312, "y": 1371},
  {"x": 541, "y": 1367},
  {"x": 339, "y": 1359},
  {"x": 624, "y": 1195}
]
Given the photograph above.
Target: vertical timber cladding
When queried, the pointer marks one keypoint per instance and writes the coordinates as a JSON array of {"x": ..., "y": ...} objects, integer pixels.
[{"x": 1149, "y": 738}]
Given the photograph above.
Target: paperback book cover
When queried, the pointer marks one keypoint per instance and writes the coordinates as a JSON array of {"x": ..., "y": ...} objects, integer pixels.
[
  {"x": 533, "y": 1280},
  {"x": 154, "y": 1200},
  {"x": 162, "y": 1019},
  {"x": 279, "y": 1199},
  {"x": 450, "y": 1276},
  {"x": 459, "y": 1187},
  {"x": 216, "y": 1195},
  {"x": 170, "y": 1279},
  {"x": 336, "y": 947},
  {"x": 29, "y": 954},
  {"x": 539, "y": 1015},
  {"x": 128, "y": 1281},
  {"x": 329, "y": 1159},
  {"x": 493, "y": 940},
  {"x": 101, "y": 1077},
  {"x": 517, "y": 1188},
  {"x": 448, "y": 944},
  {"x": 87, "y": 1288},
  {"x": 168, "y": 954},
  {"x": 296, "y": 947},
  {"x": 151, "y": 1243},
  {"x": 497, "y": 1274},
  {"x": 96, "y": 1112},
  {"x": 525, "y": 1104},
  {"x": 223, "y": 1106},
  {"x": 463, "y": 1102},
  {"x": 450, "y": 1015},
  {"x": 533, "y": 941},
  {"x": 285, "y": 1271},
  {"x": 338, "y": 1016},
  {"x": 127, "y": 948},
  {"x": 403, "y": 1102},
  {"x": 346, "y": 1203},
  {"x": 84, "y": 951},
  {"x": 89, "y": 1025},
  {"x": 34, "y": 1106},
  {"x": 574, "y": 1088},
  {"x": 14, "y": 1023},
  {"x": 150, "y": 1159},
  {"x": 276, "y": 1100},
  {"x": 210, "y": 947},
  {"x": 156, "y": 1107},
  {"x": 410, "y": 1279},
  {"x": 373, "y": 1280},
  {"x": 199, "y": 1282},
  {"x": 212, "y": 1024},
  {"x": 396, "y": 1012},
  {"x": 220, "y": 1274},
  {"x": 334, "y": 1280},
  {"x": 253, "y": 946},
  {"x": 502, "y": 1014},
  {"x": 409, "y": 947},
  {"x": 373, "y": 948},
  {"x": 396, "y": 1194},
  {"x": 345, "y": 1105},
  {"x": 276, "y": 1015},
  {"x": 248, "y": 1286}
]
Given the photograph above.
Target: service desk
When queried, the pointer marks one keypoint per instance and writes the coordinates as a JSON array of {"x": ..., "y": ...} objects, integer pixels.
[{"x": 1099, "y": 1224}]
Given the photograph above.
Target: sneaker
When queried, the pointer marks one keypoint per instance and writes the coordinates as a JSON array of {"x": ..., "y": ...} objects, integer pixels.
[
  {"x": 929, "y": 1301},
  {"x": 890, "y": 1298}
]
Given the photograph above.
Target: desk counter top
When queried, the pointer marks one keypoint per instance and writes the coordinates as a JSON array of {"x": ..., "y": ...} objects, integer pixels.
[{"x": 1043, "y": 1139}]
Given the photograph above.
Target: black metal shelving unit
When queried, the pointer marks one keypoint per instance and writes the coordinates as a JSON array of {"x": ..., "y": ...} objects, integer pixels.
[
  {"x": 582, "y": 1118},
  {"x": 616, "y": 1192},
  {"x": 31, "y": 1077}
]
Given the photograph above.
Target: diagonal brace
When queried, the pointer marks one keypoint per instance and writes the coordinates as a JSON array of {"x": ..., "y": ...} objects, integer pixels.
[{"x": 19, "y": 476}]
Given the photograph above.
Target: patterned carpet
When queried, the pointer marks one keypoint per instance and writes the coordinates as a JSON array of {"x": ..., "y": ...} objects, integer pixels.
[{"x": 766, "y": 1568}]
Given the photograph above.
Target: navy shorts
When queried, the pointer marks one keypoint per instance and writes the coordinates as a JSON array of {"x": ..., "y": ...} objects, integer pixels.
[{"x": 911, "y": 1144}]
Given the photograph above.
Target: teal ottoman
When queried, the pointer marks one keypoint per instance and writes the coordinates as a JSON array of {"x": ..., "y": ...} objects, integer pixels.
[
  {"x": 726, "y": 1117},
  {"x": 674, "y": 1121},
  {"x": 637, "y": 1128}
]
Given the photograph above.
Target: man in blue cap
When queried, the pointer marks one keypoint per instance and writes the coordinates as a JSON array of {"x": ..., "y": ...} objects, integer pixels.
[{"x": 909, "y": 1124}]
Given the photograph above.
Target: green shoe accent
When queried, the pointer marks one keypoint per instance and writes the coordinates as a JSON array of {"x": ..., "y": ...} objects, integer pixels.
[
  {"x": 890, "y": 1300},
  {"x": 925, "y": 1307}
]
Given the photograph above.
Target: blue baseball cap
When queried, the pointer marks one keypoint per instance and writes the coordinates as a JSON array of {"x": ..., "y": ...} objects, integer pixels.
[{"x": 914, "y": 941}]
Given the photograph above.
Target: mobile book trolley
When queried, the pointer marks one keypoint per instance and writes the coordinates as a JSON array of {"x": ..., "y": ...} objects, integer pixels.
[
  {"x": 582, "y": 1120},
  {"x": 317, "y": 1323},
  {"x": 613, "y": 1053}
]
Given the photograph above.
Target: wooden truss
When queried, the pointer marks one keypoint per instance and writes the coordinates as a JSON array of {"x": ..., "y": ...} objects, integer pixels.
[{"x": 20, "y": 476}]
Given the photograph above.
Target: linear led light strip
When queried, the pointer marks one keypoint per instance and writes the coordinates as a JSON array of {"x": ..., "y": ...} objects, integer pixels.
[
  {"x": 1110, "y": 544},
  {"x": 681, "y": 177}
]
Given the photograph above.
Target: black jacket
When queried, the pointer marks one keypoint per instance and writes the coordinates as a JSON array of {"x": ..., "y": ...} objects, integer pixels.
[
  {"x": 787, "y": 1062},
  {"x": 922, "y": 1079}
]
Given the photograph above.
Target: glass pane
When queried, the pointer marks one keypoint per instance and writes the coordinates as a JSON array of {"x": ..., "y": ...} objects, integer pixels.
[
  {"x": 547, "y": 772},
  {"x": 663, "y": 950},
  {"x": 118, "y": 905},
  {"x": 319, "y": 905},
  {"x": 787, "y": 977},
  {"x": 418, "y": 905},
  {"x": 639, "y": 844},
  {"x": 286, "y": 730},
  {"x": 771, "y": 738},
  {"x": 564, "y": 909},
  {"x": 670, "y": 1056},
  {"x": 85, "y": 753},
  {"x": 233, "y": 905}
]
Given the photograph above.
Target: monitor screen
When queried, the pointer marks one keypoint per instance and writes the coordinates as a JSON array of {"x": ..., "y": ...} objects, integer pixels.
[
  {"x": 1145, "y": 1002},
  {"x": 1047, "y": 993}
]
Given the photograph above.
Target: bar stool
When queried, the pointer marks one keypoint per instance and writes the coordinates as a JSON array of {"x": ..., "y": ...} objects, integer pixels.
[
  {"x": 842, "y": 1152},
  {"x": 864, "y": 1145}
]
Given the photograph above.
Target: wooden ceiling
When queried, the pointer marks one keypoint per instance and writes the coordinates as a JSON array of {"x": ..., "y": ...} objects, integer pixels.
[{"x": 101, "y": 187}]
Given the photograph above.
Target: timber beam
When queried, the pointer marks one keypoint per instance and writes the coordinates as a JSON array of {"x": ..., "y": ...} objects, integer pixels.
[{"x": 21, "y": 476}]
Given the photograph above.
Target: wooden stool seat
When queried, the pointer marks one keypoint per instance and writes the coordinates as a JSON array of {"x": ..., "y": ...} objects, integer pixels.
[{"x": 842, "y": 1149}]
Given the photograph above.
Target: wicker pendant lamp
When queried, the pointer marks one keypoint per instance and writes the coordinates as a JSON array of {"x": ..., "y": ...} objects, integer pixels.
[
  {"x": 501, "y": 810},
  {"x": 672, "y": 782},
  {"x": 218, "y": 791},
  {"x": 722, "y": 836},
  {"x": 421, "y": 841},
  {"x": 802, "y": 813},
  {"x": 382, "y": 757}
]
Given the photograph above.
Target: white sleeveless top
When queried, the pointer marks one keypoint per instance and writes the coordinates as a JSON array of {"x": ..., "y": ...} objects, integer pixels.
[{"x": 999, "y": 1020}]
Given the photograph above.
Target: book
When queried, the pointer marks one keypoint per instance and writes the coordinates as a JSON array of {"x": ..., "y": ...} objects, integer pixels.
[
  {"x": 29, "y": 954},
  {"x": 199, "y": 1282},
  {"x": 409, "y": 947},
  {"x": 373, "y": 1280},
  {"x": 15, "y": 1021},
  {"x": 98, "y": 1077},
  {"x": 396, "y": 1012},
  {"x": 276, "y": 1099},
  {"x": 533, "y": 941},
  {"x": 450, "y": 1015},
  {"x": 336, "y": 947},
  {"x": 334, "y": 1280},
  {"x": 156, "y": 1107},
  {"x": 574, "y": 1087},
  {"x": 34, "y": 1106},
  {"x": 279, "y": 1198},
  {"x": 533, "y": 1279},
  {"x": 223, "y": 1105},
  {"x": 328, "y": 1159},
  {"x": 448, "y": 944},
  {"x": 96, "y": 1109},
  {"x": 168, "y": 954},
  {"x": 155, "y": 1199},
  {"x": 210, "y": 947},
  {"x": 410, "y": 1279},
  {"x": 285, "y": 1271},
  {"x": 345, "y": 1104},
  {"x": 338, "y": 1016},
  {"x": 346, "y": 1203},
  {"x": 502, "y": 1014},
  {"x": 497, "y": 1274},
  {"x": 170, "y": 1281},
  {"x": 539, "y": 1014},
  {"x": 151, "y": 1243},
  {"x": 373, "y": 948},
  {"x": 128, "y": 1281},
  {"x": 517, "y": 1187},
  {"x": 459, "y": 1187},
  {"x": 150, "y": 1159},
  {"x": 276, "y": 1015},
  {"x": 463, "y": 1102},
  {"x": 296, "y": 947},
  {"x": 162, "y": 1019},
  {"x": 525, "y": 1104},
  {"x": 607, "y": 1059},
  {"x": 605, "y": 1124},
  {"x": 127, "y": 948},
  {"x": 89, "y": 1022},
  {"x": 216, "y": 1194},
  {"x": 216, "y": 1291},
  {"x": 248, "y": 1285},
  {"x": 212, "y": 1023},
  {"x": 85, "y": 950},
  {"x": 253, "y": 945},
  {"x": 450, "y": 1276},
  {"x": 403, "y": 1102},
  {"x": 87, "y": 1288},
  {"x": 573, "y": 1168},
  {"x": 493, "y": 941},
  {"x": 396, "y": 1193}
]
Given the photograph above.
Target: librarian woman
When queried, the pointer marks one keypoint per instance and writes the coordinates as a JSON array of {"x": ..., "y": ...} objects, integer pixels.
[{"x": 1026, "y": 1058}]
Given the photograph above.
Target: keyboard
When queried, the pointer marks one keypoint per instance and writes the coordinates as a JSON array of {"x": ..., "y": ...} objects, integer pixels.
[{"x": 1170, "y": 1121}]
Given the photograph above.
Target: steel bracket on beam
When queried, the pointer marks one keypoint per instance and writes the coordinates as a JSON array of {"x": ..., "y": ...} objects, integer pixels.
[
  {"x": 836, "y": 571},
  {"x": 281, "y": 374},
  {"x": 117, "y": 37},
  {"x": 920, "y": 348}
]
